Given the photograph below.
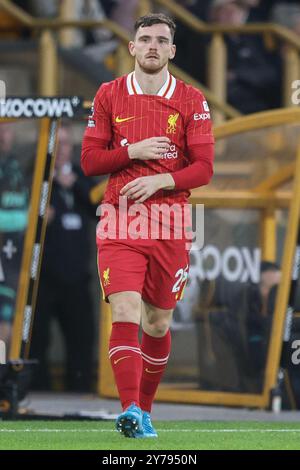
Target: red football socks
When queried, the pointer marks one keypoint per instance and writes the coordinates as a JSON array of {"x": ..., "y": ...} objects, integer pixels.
[
  {"x": 126, "y": 361},
  {"x": 155, "y": 354}
]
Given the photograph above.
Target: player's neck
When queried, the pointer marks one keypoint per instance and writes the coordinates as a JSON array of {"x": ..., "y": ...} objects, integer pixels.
[{"x": 151, "y": 83}]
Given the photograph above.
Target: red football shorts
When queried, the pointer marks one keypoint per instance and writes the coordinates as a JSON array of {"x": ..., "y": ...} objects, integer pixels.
[{"x": 157, "y": 269}]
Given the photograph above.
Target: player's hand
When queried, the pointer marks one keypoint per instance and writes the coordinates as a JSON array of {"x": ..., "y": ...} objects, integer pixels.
[
  {"x": 149, "y": 149},
  {"x": 142, "y": 188}
]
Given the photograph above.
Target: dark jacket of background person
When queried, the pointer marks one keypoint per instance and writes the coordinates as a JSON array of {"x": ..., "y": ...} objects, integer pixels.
[
  {"x": 67, "y": 254},
  {"x": 255, "y": 304},
  {"x": 14, "y": 200},
  {"x": 64, "y": 288},
  {"x": 253, "y": 72},
  {"x": 238, "y": 316},
  {"x": 254, "y": 82},
  {"x": 191, "y": 46}
]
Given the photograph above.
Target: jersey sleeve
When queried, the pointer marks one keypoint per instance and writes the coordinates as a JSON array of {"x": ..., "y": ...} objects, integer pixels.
[
  {"x": 96, "y": 157},
  {"x": 198, "y": 125},
  {"x": 99, "y": 122},
  {"x": 200, "y": 170}
]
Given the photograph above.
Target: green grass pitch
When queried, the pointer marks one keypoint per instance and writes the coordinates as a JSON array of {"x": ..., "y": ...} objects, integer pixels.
[{"x": 179, "y": 435}]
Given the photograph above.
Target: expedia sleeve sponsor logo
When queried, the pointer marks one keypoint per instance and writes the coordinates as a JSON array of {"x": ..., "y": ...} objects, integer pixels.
[
  {"x": 201, "y": 116},
  {"x": 14, "y": 107}
]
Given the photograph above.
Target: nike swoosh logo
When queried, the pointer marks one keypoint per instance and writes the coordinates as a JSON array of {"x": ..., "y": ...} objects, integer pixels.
[
  {"x": 153, "y": 371},
  {"x": 120, "y": 359},
  {"x": 118, "y": 119}
]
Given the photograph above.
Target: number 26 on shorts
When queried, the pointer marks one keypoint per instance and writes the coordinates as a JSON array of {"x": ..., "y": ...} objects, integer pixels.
[{"x": 181, "y": 280}]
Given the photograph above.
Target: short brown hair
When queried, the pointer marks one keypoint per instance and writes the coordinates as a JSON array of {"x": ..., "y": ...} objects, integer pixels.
[{"x": 155, "y": 18}]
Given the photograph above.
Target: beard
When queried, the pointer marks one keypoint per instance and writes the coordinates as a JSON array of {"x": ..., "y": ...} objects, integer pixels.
[{"x": 151, "y": 68}]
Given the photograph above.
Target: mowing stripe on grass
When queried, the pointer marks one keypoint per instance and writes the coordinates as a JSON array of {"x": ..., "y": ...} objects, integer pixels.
[{"x": 159, "y": 430}]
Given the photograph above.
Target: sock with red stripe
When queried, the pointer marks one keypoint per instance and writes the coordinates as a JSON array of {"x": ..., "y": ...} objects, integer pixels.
[
  {"x": 155, "y": 354},
  {"x": 126, "y": 361}
]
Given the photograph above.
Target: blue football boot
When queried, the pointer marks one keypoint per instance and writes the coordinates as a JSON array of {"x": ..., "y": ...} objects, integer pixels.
[
  {"x": 130, "y": 422},
  {"x": 148, "y": 429}
]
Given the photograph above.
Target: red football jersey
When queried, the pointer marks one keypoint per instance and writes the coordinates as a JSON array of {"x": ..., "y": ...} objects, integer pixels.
[{"x": 123, "y": 115}]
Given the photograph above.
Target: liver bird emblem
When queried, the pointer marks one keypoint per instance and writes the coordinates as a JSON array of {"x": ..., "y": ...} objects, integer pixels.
[{"x": 172, "y": 120}]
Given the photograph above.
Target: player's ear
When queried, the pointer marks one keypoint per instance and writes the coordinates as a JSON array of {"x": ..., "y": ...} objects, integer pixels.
[
  {"x": 131, "y": 48},
  {"x": 172, "y": 52}
]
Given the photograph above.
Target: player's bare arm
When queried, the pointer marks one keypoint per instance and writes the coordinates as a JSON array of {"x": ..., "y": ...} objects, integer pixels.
[
  {"x": 142, "y": 188},
  {"x": 148, "y": 149}
]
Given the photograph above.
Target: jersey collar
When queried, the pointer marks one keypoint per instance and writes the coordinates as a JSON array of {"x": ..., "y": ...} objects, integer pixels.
[{"x": 166, "y": 90}]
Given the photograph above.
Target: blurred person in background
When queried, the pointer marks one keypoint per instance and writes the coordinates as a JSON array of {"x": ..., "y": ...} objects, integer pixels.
[
  {"x": 253, "y": 308},
  {"x": 14, "y": 199},
  {"x": 124, "y": 13},
  {"x": 64, "y": 288},
  {"x": 233, "y": 321},
  {"x": 288, "y": 15},
  {"x": 262, "y": 9},
  {"x": 39, "y": 8},
  {"x": 261, "y": 305},
  {"x": 253, "y": 74},
  {"x": 190, "y": 58},
  {"x": 95, "y": 43}
]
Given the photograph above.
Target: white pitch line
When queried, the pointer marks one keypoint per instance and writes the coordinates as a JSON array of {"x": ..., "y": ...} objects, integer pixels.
[{"x": 159, "y": 430}]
